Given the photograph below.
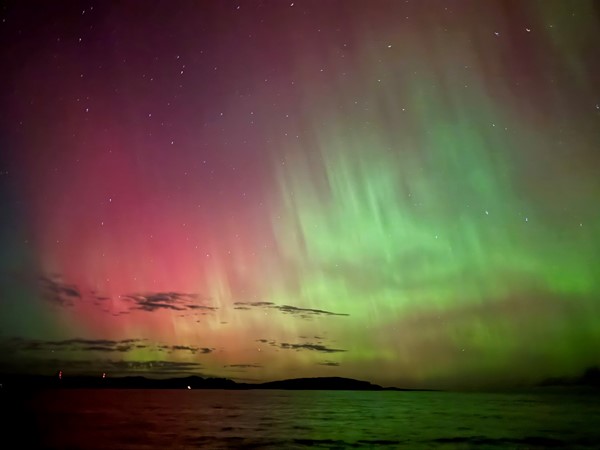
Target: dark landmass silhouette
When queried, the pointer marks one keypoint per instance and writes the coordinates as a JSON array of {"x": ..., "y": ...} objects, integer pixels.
[
  {"x": 32, "y": 382},
  {"x": 324, "y": 383},
  {"x": 591, "y": 377}
]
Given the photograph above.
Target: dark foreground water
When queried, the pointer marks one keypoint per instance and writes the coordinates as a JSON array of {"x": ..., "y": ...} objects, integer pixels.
[{"x": 161, "y": 419}]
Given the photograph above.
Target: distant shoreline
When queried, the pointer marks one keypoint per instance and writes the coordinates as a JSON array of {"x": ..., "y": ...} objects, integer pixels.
[
  {"x": 14, "y": 382},
  {"x": 11, "y": 382}
]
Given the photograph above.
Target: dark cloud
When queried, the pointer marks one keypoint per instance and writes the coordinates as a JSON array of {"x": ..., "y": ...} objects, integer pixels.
[
  {"x": 202, "y": 307},
  {"x": 101, "y": 348},
  {"x": 329, "y": 363},
  {"x": 312, "y": 347},
  {"x": 174, "y": 301},
  {"x": 161, "y": 300},
  {"x": 304, "y": 346},
  {"x": 77, "y": 344},
  {"x": 305, "y": 313},
  {"x": 255, "y": 303},
  {"x": 203, "y": 350},
  {"x": 100, "y": 301},
  {"x": 93, "y": 345},
  {"x": 184, "y": 347},
  {"x": 172, "y": 348},
  {"x": 56, "y": 291},
  {"x": 244, "y": 366}
]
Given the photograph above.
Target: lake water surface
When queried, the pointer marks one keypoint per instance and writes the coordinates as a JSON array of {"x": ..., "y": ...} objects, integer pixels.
[{"x": 152, "y": 419}]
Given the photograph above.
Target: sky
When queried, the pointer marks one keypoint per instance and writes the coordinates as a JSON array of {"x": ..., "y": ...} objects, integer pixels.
[{"x": 404, "y": 192}]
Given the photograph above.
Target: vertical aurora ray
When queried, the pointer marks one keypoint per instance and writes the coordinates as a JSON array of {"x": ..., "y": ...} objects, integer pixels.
[
  {"x": 401, "y": 193},
  {"x": 431, "y": 216}
]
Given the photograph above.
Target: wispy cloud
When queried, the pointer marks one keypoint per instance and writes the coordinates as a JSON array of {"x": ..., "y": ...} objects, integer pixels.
[
  {"x": 305, "y": 313},
  {"x": 77, "y": 344},
  {"x": 174, "y": 301},
  {"x": 302, "y": 346},
  {"x": 317, "y": 312},
  {"x": 93, "y": 345},
  {"x": 203, "y": 350},
  {"x": 98, "y": 298},
  {"x": 243, "y": 366},
  {"x": 56, "y": 291},
  {"x": 312, "y": 347}
]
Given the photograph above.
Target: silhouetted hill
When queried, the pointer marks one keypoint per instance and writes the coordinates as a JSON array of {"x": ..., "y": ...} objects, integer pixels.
[
  {"x": 331, "y": 383},
  {"x": 591, "y": 377}
]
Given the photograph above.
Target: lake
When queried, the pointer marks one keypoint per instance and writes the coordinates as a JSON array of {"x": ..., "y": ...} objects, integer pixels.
[{"x": 149, "y": 419}]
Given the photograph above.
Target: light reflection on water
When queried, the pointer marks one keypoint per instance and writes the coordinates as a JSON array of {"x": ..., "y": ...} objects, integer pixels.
[{"x": 144, "y": 419}]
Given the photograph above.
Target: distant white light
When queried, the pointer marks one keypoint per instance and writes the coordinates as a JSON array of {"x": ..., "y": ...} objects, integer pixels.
[{"x": 189, "y": 387}]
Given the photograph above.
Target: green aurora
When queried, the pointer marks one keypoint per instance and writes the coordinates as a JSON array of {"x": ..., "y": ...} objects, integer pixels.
[{"x": 402, "y": 193}]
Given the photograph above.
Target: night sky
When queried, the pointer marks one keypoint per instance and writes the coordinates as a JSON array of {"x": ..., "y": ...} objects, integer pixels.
[{"x": 405, "y": 192}]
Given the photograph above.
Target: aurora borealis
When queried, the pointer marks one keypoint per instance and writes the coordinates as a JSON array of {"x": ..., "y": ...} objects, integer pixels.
[{"x": 405, "y": 192}]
